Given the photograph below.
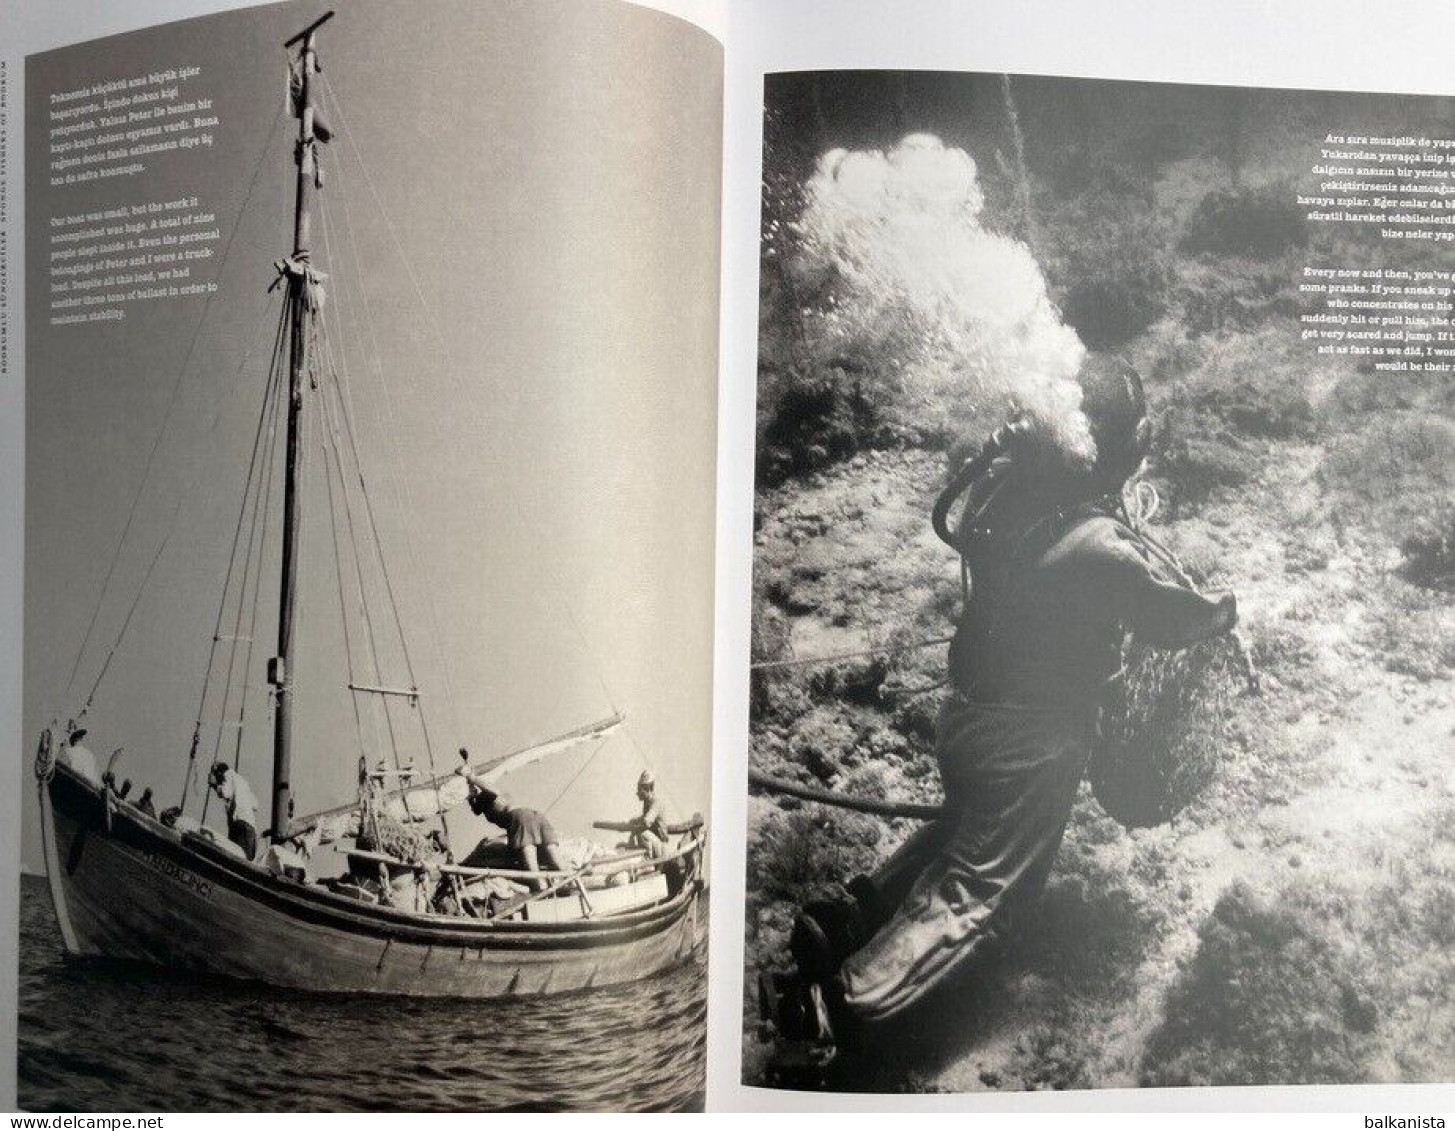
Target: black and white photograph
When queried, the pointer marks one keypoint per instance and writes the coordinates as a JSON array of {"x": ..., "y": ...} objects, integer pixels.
[
  {"x": 1103, "y": 629},
  {"x": 686, "y": 556},
  {"x": 370, "y": 491}
]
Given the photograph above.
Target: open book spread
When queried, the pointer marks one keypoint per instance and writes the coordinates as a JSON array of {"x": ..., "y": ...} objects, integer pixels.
[{"x": 584, "y": 555}]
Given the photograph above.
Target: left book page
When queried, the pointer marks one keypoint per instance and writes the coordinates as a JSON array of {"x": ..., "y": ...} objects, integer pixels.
[{"x": 369, "y": 426}]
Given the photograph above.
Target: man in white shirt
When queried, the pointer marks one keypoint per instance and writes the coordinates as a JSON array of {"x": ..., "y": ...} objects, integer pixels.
[
  {"x": 77, "y": 757},
  {"x": 242, "y": 807}
]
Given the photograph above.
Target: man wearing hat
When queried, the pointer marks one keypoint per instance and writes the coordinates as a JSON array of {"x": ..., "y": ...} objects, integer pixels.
[
  {"x": 241, "y": 804},
  {"x": 649, "y": 831}
]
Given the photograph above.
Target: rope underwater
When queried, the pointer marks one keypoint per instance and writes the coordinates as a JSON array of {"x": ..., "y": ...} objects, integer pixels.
[
  {"x": 873, "y": 806},
  {"x": 863, "y": 653},
  {"x": 915, "y": 811}
]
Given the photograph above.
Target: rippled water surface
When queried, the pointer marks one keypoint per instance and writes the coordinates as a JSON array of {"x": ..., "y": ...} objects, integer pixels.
[{"x": 117, "y": 1037}]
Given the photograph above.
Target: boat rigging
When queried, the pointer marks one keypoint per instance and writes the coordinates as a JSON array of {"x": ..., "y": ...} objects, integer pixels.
[{"x": 127, "y": 882}]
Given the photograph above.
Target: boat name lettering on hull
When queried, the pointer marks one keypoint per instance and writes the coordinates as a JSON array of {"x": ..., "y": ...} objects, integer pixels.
[{"x": 176, "y": 872}]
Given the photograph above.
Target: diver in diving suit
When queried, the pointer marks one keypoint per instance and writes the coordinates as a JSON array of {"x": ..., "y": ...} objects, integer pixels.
[{"x": 1059, "y": 581}]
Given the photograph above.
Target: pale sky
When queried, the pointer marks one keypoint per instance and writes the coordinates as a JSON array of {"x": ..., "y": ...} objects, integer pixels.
[{"x": 544, "y": 455}]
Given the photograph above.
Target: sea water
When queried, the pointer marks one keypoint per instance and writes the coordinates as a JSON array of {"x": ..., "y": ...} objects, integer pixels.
[{"x": 98, "y": 1035}]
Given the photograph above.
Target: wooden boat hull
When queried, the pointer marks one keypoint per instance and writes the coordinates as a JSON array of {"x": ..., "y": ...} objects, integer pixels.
[{"x": 125, "y": 886}]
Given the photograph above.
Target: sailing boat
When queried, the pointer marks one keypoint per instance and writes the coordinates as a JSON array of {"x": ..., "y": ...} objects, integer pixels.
[{"x": 405, "y": 917}]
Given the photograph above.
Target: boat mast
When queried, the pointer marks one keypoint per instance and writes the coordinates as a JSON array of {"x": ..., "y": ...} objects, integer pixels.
[{"x": 300, "y": 279}]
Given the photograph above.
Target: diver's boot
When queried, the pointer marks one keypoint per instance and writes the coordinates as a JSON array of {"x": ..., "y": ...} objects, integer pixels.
[
  {"x": 828, "y": 931},
  {"x": 792, "y": 1008},
  {"x": 814, "y": 1035},
  {"x": 837, "y": 1022},
  {"x": 780, "y": 1006},
  {"x": 794, "y": 1017},
  {"x": 874, "y": 909},
  {"x": 824, "y": 934}
]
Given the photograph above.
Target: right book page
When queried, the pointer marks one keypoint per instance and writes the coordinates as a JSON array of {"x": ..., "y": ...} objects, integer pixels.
[{"x": 1098, "y": 681}]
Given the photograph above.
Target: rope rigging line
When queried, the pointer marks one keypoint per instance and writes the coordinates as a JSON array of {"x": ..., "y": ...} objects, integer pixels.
[
  {"x": 597, "y": 668},
  {"x": 120, "y": 636},
  {"x": 338, "y": 368},
  {"x": 334, "y": 452},
  {"x": 332, "y": 411},
  {"x": 141, "y": 589},
  {"x": 342, "y": 587},
  {"x": 461, "y": 387},
  {"x": 350, "y": 435},
  {"x": 262, "y": 499},
  {"x": 405, "y": 504},
  {"x": 263, "y": 415},
  {"x": 266, "y": 495},
  {"x": 585, "y": 765},
  {"x": 252, "y": 633},
  {"x": 331, "y": 426},
  {"x": 259, "y": 485},
  {"x": 172, "y": 401}
]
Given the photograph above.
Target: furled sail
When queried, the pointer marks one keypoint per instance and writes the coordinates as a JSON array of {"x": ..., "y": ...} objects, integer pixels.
[
  {"x": 449, "y": 791},
  {"x": 430, "y": 799}
]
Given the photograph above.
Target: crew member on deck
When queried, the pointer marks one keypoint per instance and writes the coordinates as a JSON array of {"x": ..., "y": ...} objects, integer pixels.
[
  {"x": 77, "y": 757},
  {"x": 528, "y": 832},
  {"x": 242, "y": 807},
  {"x": 649, "y": 831}
]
